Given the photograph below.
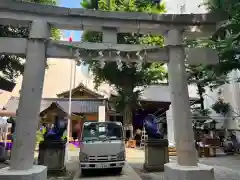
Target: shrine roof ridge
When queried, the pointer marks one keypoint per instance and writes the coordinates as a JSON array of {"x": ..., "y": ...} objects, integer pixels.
[
  {"x": 48, "y": 10},
  {"x": 78, "y": 104}
]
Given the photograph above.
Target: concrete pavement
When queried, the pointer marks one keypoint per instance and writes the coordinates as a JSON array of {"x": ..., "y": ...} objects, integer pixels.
[
  {"x": 72, "y": 166},
  {"x": 128, "y": 173},
  {"x": 225, "y": 167}
]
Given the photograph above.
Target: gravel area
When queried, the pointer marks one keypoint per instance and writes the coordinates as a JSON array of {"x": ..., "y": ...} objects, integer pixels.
[
  {"x": 221, "y": 173},
  {"x": 71, "y": 168},
  {"x": 127, "y": 173},
  {"x": 68, "y": 176},
  {"x": 225, "y": 167},
  {"x": 2, "y": 165}
]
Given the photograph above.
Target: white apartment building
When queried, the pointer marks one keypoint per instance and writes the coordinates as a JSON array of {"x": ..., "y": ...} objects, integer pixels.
[
  {"x": 230, "y": 92},
  {"x": 184, "y": 6}
]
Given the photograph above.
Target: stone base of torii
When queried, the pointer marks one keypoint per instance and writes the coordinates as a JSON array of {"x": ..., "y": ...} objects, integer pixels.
[{"x": 38, "y": 48}]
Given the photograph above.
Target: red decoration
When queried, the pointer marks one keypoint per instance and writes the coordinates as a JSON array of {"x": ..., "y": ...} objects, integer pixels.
[{"x": 70, "y": 39}]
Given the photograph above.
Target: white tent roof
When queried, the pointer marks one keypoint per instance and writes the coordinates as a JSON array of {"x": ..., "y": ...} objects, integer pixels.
[{"x": 3, "y": 122}]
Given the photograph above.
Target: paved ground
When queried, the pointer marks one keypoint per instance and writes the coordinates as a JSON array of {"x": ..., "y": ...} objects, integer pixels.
[
  {"x": 225, "y": 167},
  {"x": 2, "y": 165},
  {"x": 127, "y": 174}
]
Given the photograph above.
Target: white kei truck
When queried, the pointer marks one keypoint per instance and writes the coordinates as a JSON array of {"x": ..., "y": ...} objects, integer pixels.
[{"x": 102, "y": 146}]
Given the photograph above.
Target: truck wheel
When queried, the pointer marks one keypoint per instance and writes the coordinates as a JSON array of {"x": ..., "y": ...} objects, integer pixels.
[
  {"x": 237, "y": 150},
  {"x": 118, "y": 170},
  {"x": 83, "y": 172}
]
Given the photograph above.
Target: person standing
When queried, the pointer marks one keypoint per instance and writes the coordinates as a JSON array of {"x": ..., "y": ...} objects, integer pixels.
[
  {"x": 77, "y": 131},
  {"x": 11, "y": 121}
]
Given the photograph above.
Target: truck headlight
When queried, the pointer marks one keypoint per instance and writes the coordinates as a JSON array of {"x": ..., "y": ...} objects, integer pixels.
[
  {"x": 83, "y": 157},
  {"x": 121, "y": 156}
]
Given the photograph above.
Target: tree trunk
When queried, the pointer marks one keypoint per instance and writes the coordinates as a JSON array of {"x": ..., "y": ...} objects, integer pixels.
[
  {"x": 225, "y": 125},
  {"x": 127, "y": 123},
  {"x": 200, "y": 93},
  {"x": 127, "y": 116}
]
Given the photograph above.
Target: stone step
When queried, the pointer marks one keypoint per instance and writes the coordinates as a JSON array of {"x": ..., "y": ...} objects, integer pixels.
[{"x": 172, "y": 151}]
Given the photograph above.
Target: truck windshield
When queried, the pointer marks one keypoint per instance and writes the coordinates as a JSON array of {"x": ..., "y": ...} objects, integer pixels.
[{"x": 102, "y": 131}]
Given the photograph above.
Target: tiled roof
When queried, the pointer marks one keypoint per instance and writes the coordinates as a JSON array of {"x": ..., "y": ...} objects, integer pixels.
[
  {"x": 161, "y": 93},
  {"x": 78, "y": 105},
  {"x": 83, "y": 87},
  {"x": 84, "y": 106}
]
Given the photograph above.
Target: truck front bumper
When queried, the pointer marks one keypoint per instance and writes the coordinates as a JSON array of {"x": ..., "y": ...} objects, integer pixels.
[{"x": 101, "y": 165}]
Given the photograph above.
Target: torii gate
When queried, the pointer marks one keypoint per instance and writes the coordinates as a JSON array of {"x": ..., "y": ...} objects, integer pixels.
[{"x": 38, "y": 47}]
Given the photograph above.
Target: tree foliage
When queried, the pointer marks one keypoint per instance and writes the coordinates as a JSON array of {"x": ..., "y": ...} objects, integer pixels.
[
  {"x": 221, "y": 107},
  {"x": 12, "y": 66},
  {"x": 203, "y": 76},
  {"x": 128, "y": 79},
  {"x": 199, "y": 117},
  {"x": 226, "y": 39}
]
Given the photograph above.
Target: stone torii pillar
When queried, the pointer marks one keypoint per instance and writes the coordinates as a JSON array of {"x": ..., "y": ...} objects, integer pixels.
[
  {"x": 184, "y": 138},
  {"x": 186, "y": 166},
  {"x": 22, "y": 157}
]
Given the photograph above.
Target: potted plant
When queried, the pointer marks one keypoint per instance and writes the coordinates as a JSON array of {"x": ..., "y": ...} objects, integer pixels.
[{"x": 222, "y": 108}]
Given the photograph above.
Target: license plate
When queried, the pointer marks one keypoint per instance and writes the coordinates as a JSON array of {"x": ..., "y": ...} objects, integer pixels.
[{"x": 103, "y": 166}]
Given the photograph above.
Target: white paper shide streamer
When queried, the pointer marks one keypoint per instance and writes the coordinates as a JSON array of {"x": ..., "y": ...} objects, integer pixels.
[
  {"x": 139, "y": 64},
  {"x": 119, "y": 62},
  {"x": 77, "y": 57},
  {"x": 102, "y": 62}
]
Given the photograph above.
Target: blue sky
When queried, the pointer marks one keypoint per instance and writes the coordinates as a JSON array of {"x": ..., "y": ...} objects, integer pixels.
[{"x": 71, "y": 4}]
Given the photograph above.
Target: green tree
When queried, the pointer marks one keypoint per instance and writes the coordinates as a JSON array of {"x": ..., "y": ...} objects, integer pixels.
[
  {"x": 128, "y": 79},
  {"x": 226, "y": 42},
  {"x": 203, "y": 76},
  {"x": 199, "y": 117},
  {"x": 222, "y": 108},
  {"x": 12, "y": 66},
  {"x": 226, "y": 39}
]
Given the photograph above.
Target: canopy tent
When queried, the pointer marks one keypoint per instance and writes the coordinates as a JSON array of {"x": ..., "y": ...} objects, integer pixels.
[
  {"x": 3, "y": 122},
  {"x": 4, "y": 129},
  {"x": 6, "y": 113}
]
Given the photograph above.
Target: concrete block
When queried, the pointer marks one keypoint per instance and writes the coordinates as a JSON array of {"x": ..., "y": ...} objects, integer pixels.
[
  {"x": 35, "y": 173},
  {"x": 156, "y": 154},
  {"x": 52, "y": 155},
  {"x": 174, "y": 171}
]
